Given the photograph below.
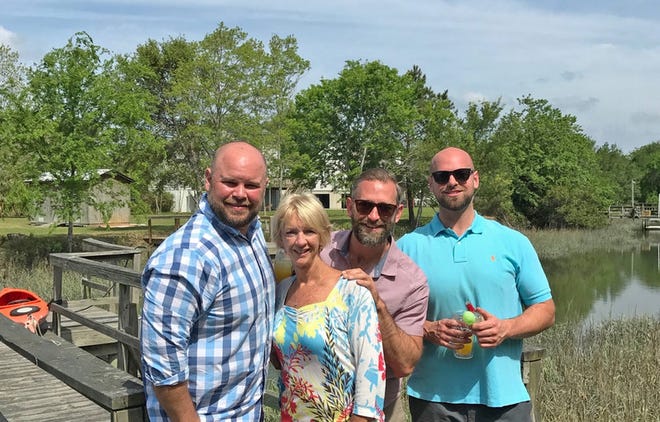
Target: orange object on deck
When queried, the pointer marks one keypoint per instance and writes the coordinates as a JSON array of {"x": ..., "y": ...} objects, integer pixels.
[{"x": 22, "y": 305}]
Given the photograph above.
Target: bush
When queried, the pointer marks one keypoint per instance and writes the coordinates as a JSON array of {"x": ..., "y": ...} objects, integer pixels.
[{"x": 28, "y": 251}]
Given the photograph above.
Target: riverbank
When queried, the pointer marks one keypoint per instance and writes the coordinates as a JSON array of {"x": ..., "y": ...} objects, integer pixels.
[{"x": 618, "y": 234}]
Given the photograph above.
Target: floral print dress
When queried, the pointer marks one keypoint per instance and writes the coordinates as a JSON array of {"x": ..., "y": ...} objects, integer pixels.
[{"x": 331, "y": 356}]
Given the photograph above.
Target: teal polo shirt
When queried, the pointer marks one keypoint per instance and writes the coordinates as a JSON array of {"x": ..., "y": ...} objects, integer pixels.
[{"x": 495, "y": 268}]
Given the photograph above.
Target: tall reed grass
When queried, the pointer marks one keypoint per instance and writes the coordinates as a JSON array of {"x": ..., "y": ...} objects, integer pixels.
[
  {"x": 601, "y": 373},
  {"x": 556, "y": 243}
]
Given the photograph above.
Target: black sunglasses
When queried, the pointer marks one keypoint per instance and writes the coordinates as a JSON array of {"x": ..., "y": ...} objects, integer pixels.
[
  {"x": 441, "y": 177},
  {"x": 384, "y": 210}
]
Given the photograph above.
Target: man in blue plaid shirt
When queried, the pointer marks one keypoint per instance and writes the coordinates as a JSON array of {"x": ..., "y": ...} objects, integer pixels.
[{"x": 208, "y": 301}]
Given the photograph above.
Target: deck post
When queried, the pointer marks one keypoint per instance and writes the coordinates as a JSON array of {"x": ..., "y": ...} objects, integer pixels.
[
  {"x": 532, "y": 364},
  {"x": 57, "y": 298}
]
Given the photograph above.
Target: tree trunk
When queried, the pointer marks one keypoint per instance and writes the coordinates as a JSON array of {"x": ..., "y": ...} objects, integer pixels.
[{"x": 69, "y": 236}]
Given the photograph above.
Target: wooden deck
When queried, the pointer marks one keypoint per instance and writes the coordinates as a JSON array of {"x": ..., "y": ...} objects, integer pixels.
[
  {"x": 28, "y": 393},
  {"x": 86, "y": 338},
  {"x": 49, "y": 379}
]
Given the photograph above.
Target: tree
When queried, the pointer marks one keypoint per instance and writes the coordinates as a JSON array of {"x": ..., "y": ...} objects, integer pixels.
[
  {"x": 153, "y": 67},
  {"x": 356, "y": 121},
  {"x": 229, "y": 89},
  {"x": 15, "y": 198},
  {"x": 286, "y": 68},
  {"x": 549, "y": 167},
  {"x": 81, "y": 118},
  {"x": 435, "y": 126},
  {"x": 647, "y": 160},
  {"x": 619, "y": 169}
]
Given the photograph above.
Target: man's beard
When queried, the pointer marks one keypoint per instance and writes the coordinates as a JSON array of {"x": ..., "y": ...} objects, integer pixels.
[
  {"x": 234, "y": 221},
  {"x": 369, "y": 238},
  {"x": 453, "y": 204}
]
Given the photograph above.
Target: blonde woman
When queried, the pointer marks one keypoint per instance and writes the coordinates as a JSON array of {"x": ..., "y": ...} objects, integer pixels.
[{"x": 326, "y": 335}]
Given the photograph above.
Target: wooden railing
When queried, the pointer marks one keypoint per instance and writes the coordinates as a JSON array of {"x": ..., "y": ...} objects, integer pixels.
[{"x": 99, "y": 264}]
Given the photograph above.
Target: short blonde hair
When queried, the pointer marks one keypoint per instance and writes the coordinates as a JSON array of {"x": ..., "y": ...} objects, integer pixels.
[{"x": 308, "y": 208}]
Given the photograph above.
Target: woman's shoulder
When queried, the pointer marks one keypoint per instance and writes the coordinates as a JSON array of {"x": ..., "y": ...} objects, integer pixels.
[{"x": 350, "y": 288}]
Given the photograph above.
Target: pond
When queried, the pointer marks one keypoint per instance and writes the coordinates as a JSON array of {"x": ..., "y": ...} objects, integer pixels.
[{"x": 610, "y": 284}]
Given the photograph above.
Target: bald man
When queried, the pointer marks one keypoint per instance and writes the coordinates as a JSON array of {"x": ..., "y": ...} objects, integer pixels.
[
  {"x": 209, "y": 301},
  {"x": 469, "y": 258}
]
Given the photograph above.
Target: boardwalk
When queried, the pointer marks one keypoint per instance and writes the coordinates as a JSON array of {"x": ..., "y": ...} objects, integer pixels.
[
  {"x": 28, "y": 393},
  {"x": 651, "y": 223}
]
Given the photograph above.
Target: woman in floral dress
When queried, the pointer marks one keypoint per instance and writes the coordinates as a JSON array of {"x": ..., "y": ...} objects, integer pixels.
[{"x": 326, "y": 336}]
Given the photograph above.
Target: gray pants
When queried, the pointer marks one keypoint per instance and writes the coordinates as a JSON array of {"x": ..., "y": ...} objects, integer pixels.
[
  {"x": 395, "y": 411},
  {"x": 428, "y": 411}
]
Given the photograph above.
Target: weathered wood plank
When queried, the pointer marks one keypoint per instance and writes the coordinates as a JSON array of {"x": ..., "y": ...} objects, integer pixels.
[
  {"x": 79, "y": 263},
  {"x": 107, "y": 386},
  {"x": 29, "y": 393},
  {"x": 99, "y": 325}
]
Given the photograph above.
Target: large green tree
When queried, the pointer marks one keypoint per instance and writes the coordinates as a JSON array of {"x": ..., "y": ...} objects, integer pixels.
[
  {"x": 154, "y": 67},
  {"x": 434, "y": 127},
  {"x": 619, "y": 169},
  {"x": 356, "y": 121},
  {"x": 225, "y": 87},
  {"x": 647, "y": 161},
  {"x": 15, "y": 198},
  {"x": 82, "y": 117},
  {"x": 550, "y": 168}
]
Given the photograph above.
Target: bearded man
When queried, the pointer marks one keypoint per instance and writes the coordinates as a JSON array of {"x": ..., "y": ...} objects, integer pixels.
[{"x": 369, "y": 254}]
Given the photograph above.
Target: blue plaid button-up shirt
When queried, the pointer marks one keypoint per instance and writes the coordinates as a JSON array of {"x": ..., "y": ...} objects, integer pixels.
[{"x": 207, "y": 318}]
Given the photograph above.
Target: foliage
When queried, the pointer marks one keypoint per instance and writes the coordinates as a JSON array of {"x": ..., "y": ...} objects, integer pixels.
[
  {"x": 159, "y": 201},
  {"x": 647, "y": 160},
  {"x": 159, "y": 114},
  {"x": 549, "y": 167},
  {"x": 371, "y": 116},
  {"x": 225, "y": 87},
  {"x": 619, "y": 169},
  {"x": 603, "y": 372},
  {"x": 15, "y": 199},
  {"x": 28, "y": 251},
  {"x": 353, "y": 122},
  {"x": 435, "y": 127},
  {"x": 81, "y": 117}
]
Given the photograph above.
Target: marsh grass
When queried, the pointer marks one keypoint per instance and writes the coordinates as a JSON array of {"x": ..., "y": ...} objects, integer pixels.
[
  {"x": 39, "y": 279},
  {"x": 618, "y": 234},
  {"x": 604, "y": 372}
]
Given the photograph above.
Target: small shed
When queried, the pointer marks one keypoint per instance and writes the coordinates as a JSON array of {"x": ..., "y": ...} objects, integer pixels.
[{"x": 114, "y": 187}]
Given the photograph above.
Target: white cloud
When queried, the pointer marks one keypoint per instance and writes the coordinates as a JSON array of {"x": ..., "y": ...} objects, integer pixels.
[
  {"x": 474, "y": 97},
  {"x": 7, "y": 37}
]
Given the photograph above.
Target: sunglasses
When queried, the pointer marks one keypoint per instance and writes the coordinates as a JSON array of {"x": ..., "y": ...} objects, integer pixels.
[
  {"x": 441, "y": 177},
  {"x": 384, "y": 210}
]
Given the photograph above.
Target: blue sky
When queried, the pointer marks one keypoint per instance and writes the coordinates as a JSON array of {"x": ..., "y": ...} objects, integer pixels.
[{"x": 596, "y": 60}]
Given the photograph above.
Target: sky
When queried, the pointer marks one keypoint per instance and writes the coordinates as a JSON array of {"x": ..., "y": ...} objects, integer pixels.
[{"x": 598, "y": 60}]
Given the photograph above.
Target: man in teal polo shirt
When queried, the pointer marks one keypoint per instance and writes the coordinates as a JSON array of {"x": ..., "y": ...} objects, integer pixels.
[{"x": 469, "y": 258}]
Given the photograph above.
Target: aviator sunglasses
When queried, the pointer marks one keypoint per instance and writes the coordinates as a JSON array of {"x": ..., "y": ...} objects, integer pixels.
[
  {"x": 384, "y": 210},
  {"x": 441, "y": 177}
]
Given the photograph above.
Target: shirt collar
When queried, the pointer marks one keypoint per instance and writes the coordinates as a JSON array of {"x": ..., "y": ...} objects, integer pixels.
[
  {"x": 343, "y": 240},
  {"x": 438, "y": 228}
]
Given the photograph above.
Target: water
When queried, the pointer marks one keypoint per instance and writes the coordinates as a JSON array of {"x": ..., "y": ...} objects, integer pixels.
[{"x": 603, "y": 285}]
